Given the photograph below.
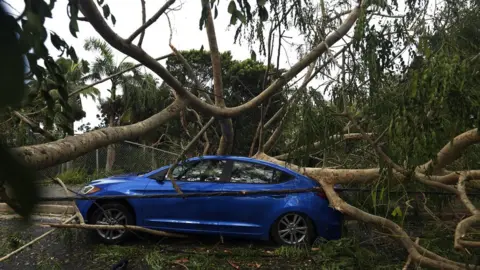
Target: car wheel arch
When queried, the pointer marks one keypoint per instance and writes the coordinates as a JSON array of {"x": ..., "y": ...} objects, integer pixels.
[{"x": 101, "y": 202}]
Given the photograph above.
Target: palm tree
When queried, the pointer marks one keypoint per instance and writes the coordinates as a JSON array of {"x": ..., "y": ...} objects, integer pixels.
[{"x": 136, "y": 90}]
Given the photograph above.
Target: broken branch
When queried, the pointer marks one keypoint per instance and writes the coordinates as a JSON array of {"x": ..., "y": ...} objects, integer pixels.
[{"x": 153, "y": 19}]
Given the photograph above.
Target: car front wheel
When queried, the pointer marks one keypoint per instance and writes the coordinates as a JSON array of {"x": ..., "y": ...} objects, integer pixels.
[
  {"x": 293, "y": 229},
  {"x": 112, "y": 214}
]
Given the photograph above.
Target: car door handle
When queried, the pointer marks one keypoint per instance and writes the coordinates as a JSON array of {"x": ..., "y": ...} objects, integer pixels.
[{"x": 278, "y": 195}]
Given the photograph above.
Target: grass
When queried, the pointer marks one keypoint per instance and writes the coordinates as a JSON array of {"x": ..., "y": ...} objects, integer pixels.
[
  {"x": 79, "y": 176},
  {"x": 362, "y": 248}
]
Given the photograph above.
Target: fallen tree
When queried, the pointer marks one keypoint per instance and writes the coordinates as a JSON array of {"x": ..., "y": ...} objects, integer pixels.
[{"x": 360, "y": 91}]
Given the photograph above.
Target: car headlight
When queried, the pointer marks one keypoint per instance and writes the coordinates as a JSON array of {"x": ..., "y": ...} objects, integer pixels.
[{"x": 89, "y": 190}]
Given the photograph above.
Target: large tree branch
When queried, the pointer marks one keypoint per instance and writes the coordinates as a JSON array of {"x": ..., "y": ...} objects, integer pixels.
[
  {"x": 339, "y": 204},
  {"x": 226, "y": 141},
  {"x": 91, "y": 12},
  {"x": 153, "y": 19},
  {"x": 461, "y": 231},
  {"x": 451, "y": 151},
  {"x": 48, "y": 154}
]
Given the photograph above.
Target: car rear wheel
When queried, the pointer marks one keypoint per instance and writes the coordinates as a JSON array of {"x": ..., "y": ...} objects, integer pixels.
[
  {"x": 112, "y": 214},
  {"x": 293, "y": 229}
]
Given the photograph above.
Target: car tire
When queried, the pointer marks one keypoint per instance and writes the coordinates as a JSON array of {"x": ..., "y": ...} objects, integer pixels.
[
  {"x": 293, "y": 229},
  {"x": 120, "y": 214}
]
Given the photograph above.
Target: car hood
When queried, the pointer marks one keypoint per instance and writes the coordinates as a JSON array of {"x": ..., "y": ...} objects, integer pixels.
[{"x": 119, "y": 179}]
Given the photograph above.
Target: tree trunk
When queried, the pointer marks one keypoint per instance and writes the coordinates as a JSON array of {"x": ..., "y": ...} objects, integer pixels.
[
  {"x": 42, "y": 156},
  {"x": 110, "y": 149}
]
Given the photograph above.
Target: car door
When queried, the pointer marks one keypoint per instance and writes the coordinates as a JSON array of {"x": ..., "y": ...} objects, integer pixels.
[
  {"x": 189, "y": 214},
  {"x": 248, "y": 214}
]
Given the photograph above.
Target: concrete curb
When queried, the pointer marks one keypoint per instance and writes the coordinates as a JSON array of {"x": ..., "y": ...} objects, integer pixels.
[{"x": 50, "y": 209}]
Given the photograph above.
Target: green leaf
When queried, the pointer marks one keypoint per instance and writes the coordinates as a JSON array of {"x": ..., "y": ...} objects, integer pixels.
[
  {"x": 232, "y": 7},
  {"x": 261, "y": 2},
  {"x": 248, "y": 9},
  {"x": 72, "y": 54},
  {"x": 240, "y": 16},
  {"x": 106, "y": 11},
  {"x": 413, "y": 92},
  {"x": 114, "y": 20},
  {"x": 397, "y": 212},
  {"x": 233, "y": 19},
  {"x": 203, "y": 18},
  {"x": 215, "y": 12},
  {"x": 263, "y": 14},
  {"x": 253, "y": 55},
  {"x": 57, "y": 42},
  {"x": 73, "y": 25}
]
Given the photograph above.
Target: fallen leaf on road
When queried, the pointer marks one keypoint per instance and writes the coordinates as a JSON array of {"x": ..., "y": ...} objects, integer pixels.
[
  {"x": 233, "y": 265},
  {"x": 182, "y": 260},
  {"x": 255, "y": 265}
]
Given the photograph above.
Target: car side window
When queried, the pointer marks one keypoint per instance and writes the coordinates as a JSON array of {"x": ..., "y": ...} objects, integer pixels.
[
  {"x": 199, "y": 171},
  {"x": 250, "y": 173}
]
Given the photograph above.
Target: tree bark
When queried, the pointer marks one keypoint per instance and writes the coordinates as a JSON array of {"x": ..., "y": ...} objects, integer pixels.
[
  {"x": 110, "y": 148},
  {"x": 41, "y": 156},
  {"x": 226, "y": 141}
]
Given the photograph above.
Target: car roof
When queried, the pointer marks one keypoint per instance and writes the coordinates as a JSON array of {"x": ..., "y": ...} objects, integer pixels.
[{"x": 248, "y": 159}]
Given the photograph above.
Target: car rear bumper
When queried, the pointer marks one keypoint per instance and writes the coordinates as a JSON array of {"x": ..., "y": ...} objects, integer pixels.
[{"x": 329, "y": 224}]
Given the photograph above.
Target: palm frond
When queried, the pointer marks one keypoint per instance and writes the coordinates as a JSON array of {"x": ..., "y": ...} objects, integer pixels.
[{"x": 94, "y": 44}]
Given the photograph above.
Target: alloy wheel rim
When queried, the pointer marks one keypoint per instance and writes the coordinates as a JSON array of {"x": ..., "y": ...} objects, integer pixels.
[
  {"x": 111, "y": 217},
  {"x": 292, "y": 229}
]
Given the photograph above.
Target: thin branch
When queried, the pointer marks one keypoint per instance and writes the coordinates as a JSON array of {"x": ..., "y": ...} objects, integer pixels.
[
  {"x": 278, "y": 131},
  {"x": 153, "y": 19},
  {"x": 115, "y": 75},
  {"x": 35, "y": 127},
  {"x": 205, "y": 135},
  {"x": 315, "y": 145},
  {"x": 112, "y": 227},
  {"x": 187, "y": 148},
  {"x": 74, "y": 205},
  {"x": 144, "y": 20},
  {"x": 91, "y": 12},
  {"x": 33, "y": 241},
  {"x": 409, "y": 259},
  {"x": 191, "y": 74}
]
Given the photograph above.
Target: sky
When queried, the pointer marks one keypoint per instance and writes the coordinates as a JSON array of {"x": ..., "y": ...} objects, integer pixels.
[{"x": 186, "y": 35}]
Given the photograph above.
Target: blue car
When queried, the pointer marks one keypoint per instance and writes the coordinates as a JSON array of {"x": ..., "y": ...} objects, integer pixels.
[{"x": 286, "y": 218}]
